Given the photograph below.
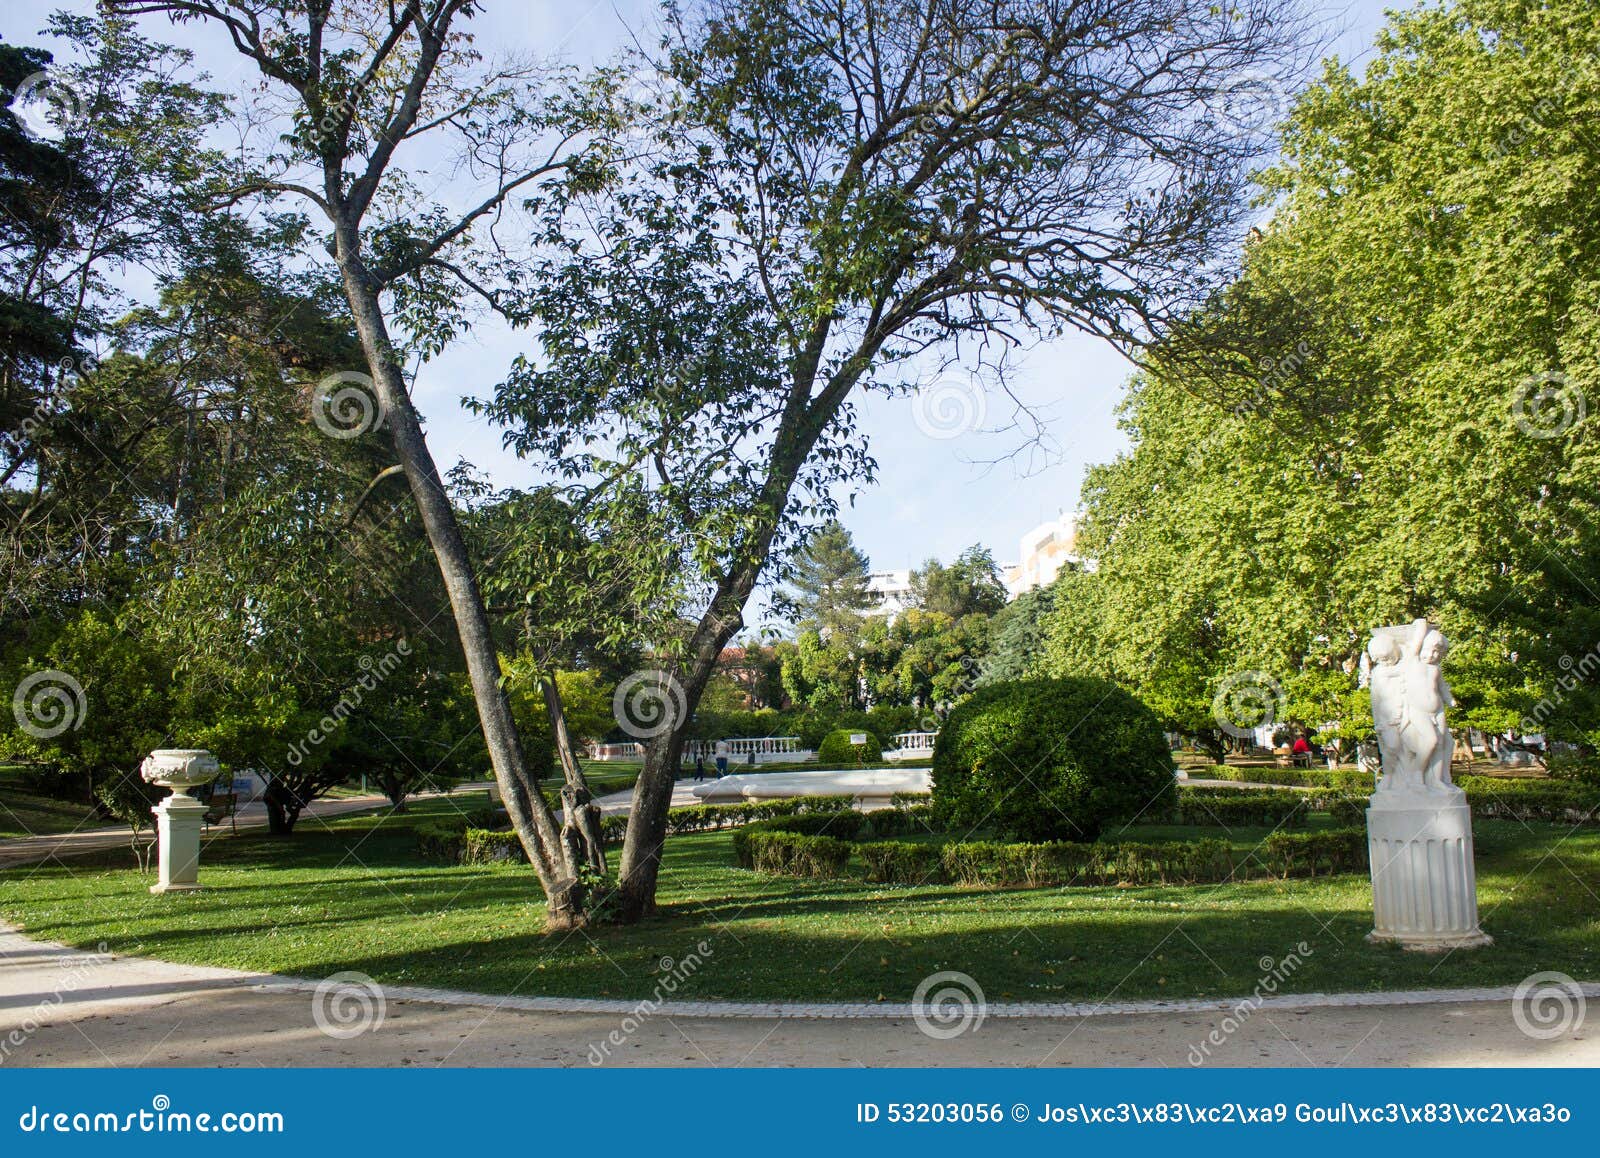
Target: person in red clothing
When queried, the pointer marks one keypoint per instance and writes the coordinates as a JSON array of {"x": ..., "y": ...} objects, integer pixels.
[{"x": 1302, "y": 746}]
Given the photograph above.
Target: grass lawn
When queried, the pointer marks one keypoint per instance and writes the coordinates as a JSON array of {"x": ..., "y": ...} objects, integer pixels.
[
  {"x": 354, "y": 895},
  {"x": 24, "y": 813}
]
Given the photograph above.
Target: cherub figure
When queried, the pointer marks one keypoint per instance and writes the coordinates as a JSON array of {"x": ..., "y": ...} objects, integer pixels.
[
  {"x": 1387, "y": 683},
  {"x": 1425, "y": 735}
]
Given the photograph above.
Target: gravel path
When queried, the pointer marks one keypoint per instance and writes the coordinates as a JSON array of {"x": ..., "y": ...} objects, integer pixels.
[{"x": 59, "y": 1007}]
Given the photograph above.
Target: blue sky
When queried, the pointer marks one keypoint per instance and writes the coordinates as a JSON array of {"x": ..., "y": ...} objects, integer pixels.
[{"x": 933, "y": 497}]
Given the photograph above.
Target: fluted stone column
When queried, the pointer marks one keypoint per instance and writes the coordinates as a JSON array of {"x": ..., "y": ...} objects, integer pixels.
[{"x": 1424, "y": 888}]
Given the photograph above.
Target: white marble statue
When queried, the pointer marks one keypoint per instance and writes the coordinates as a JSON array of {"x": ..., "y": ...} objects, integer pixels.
[{"x": 1409, "y": 698}]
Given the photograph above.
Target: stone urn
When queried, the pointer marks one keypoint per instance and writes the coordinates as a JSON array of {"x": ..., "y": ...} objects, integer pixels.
[
  {"x": 179, "y": 769},
  {"x": 179, "y": 817}
]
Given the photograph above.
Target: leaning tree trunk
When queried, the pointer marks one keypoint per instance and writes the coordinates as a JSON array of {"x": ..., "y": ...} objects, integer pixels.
[
  {"x": 530, "y": 815},
  {"x": 581, "y": 834}
]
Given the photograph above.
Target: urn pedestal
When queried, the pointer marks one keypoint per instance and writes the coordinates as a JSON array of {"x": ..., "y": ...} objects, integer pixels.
[
  {"x": 1424, "y": 889},
  {"x": 180, "y": 817}
]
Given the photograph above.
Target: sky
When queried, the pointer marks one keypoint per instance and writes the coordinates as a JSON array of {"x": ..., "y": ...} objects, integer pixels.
[{"x": 934, "y": 496}]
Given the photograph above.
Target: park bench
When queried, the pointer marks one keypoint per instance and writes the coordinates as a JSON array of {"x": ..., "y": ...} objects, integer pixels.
[{"x": 223, "y": 806}]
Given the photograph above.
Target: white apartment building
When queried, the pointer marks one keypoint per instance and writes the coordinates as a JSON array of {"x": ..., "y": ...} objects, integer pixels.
[
  {"x": 1045, "y": 551},
  {"x": 893, "y": 591}
]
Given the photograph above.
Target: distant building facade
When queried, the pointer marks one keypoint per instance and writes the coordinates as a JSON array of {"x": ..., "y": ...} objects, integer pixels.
[
  {"x": 1045, "y": 551},
  {"x": 892, "y": 590}
]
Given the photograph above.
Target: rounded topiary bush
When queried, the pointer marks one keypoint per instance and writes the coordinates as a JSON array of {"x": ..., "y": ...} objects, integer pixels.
[
  {"x": 1050, "y": 759},
  {"x": 836, "y": 748}
]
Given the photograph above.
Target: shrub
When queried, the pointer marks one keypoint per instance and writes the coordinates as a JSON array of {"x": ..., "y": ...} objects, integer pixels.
[
  {"x": 481, "y": 846},
  {"x": 1557, "y": 801},
  {"x": 836, "y": 748},
  {"x": 1056, "y": 863},
  {"x": 841, "y": 826},
  {"x": 990, "y": 862},
  {"x": 1288, "y": 854},
  {"x": 1230, "y": 807},
  {"x": 1048, "y": 759},
  {"x": 900, "y": 862},
  {"x": 1344, "y": 779},
  {"x": 793, "y": 855}
]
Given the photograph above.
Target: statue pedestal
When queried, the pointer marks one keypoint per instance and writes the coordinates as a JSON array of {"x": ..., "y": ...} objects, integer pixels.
[
  {"x": 1424, "y": 889},
  {"x": 178, "y": 821}
]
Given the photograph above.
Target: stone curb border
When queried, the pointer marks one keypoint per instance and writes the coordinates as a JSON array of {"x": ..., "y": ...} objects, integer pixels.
[
  {"x": 888, "y": 1011},
  {"x": 799, "y": 1011}
]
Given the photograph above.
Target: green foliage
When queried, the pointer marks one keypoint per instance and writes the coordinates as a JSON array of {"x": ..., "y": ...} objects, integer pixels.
[
  {"x": 969, "y": 586},
  {"x": 1312, "y": 854},
  {"x": 1039, "y": 759},
  {"x": 838, "y": 751},
  {"x": 790, "y": 854},
  {"x": 1383, "y": 417},
  {"x": 1018, "y": 637},
  {"x": 1229, "y": 808},
  {"x": 1343, "y": 779},
  {"x": 899, "y": 862},
  {"x": 827, "y": 581}
]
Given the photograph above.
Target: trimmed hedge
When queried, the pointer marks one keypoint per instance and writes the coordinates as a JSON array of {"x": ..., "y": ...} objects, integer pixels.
[
  {"x": 821, "y": 847},
  {"x": 469, "y": 840},
  {"x": 1058, "y": 863},
  {"x": 792, "y": 855},
  {"x": 1050, "y": 758},
  {"x": 836, "y": 748},
  {"x": 1343, "y": 779},
  {"x": 1556, "y": 801},
  {"x": 1229, "y": 807},
  {"x": 1289, "y": 854},
  {"x": 900, "y": 862}
]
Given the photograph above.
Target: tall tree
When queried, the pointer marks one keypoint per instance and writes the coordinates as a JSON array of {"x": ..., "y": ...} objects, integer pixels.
[
  {"x": 1385, "y": 416},
  {"x": 349, "y": 90},
  {"x": 839, "y": 192},
  {"x": 828, "y": 581},
  {"x": 969, "y": 586}
]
